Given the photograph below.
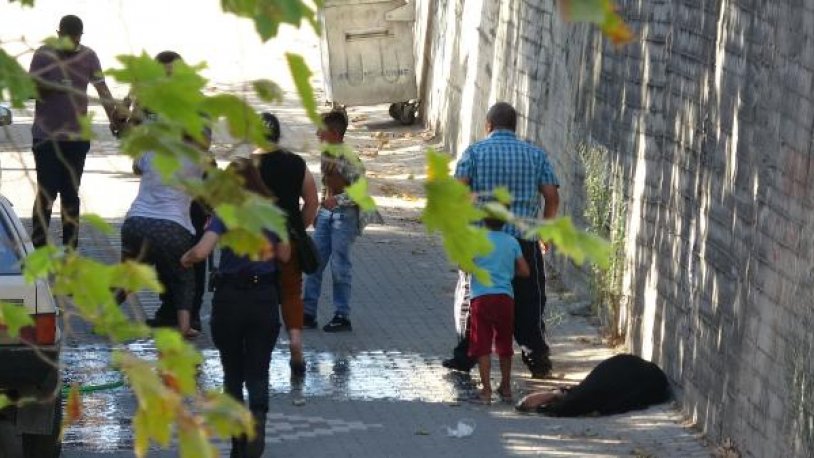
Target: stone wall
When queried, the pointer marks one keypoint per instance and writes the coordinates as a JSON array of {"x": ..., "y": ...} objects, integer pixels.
[{"x": 708, "y": 118}]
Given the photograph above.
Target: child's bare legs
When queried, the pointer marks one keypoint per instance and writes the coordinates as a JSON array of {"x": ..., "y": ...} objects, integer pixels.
[
  {"x": 485, "y": 368},
  {"x": 505, "y": 387},
  {"x": 184, "y": 325}
]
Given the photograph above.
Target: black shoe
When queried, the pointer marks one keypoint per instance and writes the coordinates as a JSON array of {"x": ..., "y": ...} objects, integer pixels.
[
  {"x": 309, "y": 321},
  {"x": 457, "y": 365},
  {"x": 297, "y": 368},
  {"x": 255, "y": 447},
  {"x": 539, "y": 367},
  {"x": 338, "y": 324},
  {"x": 238, "y": 447}
]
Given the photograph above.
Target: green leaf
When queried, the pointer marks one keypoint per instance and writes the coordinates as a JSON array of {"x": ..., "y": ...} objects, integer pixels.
[
  {"x": 226, "y": 416},
  {"x": 584, "y": 10},
  {"x": 178, "y": 358},
  {"x": 97, "y": 222},
  {"x": 158, "y": 405},
  {"x": 269, "y": 14},
  {"x": 5, "y": 401},
  {"x": 91, "y": 285},
  {"x": 41, "y": 262},
  {"x": 600, "y": 12},
  {"x": 268, "y": 91},
  {"x": 15, "y": 83},
  {"x": 134, "y": 276},
  {"x": 167, "y": 140},
  {"x": 59, "y": 43},
  {"x": 167, "y": 165},
  {"x": 358, "y": 191},
  {"x": 244, "y": 242},
  {"x": 177, "y": 97},
  {"x": 14, "y": 317},
  {"x": 450, "y": 211},
  {"x": 502, "y": 194},
  {"x": 243, "y": 121},
  {"x": 194, "y": 442},
  {"x": 576, "y": 244},
  {"x": 301, "y": 75}
]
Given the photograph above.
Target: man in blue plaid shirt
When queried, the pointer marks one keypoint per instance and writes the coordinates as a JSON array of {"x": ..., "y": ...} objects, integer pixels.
[{"x": 503, "y": 160}]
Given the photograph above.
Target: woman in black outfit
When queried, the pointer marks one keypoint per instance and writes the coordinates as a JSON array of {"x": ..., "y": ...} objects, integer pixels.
[{"x": 245, "y": 317}]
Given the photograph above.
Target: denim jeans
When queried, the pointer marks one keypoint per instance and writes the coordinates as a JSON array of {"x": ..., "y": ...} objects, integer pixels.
[{"x": 335, "y": 231}]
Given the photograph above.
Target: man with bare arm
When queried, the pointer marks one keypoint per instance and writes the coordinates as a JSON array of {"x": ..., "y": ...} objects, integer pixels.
[{"x": 62, "y": 74}]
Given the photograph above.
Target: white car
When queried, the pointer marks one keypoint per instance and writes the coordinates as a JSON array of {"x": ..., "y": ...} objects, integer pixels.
[
  {"x": 24, "y": 372},
  {"x": 5, "y": 115}
]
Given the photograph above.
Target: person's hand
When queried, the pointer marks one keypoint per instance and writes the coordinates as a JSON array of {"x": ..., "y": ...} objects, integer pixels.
[
  {"x": 329, "y": 203},
  {"x": 186, "y": 260},
  {"x": 544, "y": 246}
]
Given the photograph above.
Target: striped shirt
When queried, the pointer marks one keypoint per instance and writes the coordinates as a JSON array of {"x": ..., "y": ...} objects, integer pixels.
[{"x": 502, "y": 159}]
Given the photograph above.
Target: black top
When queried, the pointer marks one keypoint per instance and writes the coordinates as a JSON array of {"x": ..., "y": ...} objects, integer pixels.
[{"x": 283, "y": 173}]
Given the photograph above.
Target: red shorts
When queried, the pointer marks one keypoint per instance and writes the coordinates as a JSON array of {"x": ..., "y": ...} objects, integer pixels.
[{"x": 491, "y": 318}]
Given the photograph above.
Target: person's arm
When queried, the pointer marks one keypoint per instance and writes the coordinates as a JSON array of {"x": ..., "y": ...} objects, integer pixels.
[
  {"x": 283, "y": 251},
  {"x": 201, "y": 250},
  {"x": 463, "y": 169},
  {"x": 552, "y": 200},
  {"x": 551, "y": 204},
  {"x": 310, "y": 199},
  {"x": 521, "y": 268},
  {"x": 116, "y": 118}
]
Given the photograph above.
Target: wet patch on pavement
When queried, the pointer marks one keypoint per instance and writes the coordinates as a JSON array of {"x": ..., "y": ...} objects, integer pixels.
[{"x": 363, "y": 376}]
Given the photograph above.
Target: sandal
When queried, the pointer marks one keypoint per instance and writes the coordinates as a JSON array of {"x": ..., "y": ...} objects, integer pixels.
[{"x": 505, "y": 394}]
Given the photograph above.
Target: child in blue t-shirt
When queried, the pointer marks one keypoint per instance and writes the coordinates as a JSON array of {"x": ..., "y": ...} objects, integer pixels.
[{"x": 492, "y": 309}]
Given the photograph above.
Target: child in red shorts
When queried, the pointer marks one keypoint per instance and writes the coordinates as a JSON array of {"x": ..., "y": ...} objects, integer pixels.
[{"x": 492, "y": 309}]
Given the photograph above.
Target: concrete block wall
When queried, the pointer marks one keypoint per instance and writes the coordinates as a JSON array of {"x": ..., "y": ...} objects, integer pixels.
[{"x": 709, "y": 115}]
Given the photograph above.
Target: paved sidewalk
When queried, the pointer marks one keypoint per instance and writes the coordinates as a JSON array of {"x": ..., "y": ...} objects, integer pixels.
[{"x": 380, "y": 390}]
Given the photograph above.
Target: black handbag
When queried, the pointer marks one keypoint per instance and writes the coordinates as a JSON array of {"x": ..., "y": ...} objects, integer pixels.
[{"x": 307, "y": 253}]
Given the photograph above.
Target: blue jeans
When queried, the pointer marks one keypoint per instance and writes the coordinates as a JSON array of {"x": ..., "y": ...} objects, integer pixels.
[{"x": 334, "y": 234}]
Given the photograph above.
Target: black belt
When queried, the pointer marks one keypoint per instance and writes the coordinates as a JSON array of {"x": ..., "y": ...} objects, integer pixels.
[{"x": 244, "y": 281}]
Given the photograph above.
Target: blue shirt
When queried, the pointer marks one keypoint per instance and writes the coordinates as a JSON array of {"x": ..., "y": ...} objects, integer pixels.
[
  {"x": 502, "y": 159},
  {"x": 500, "y": 265},
  {"x": 231, "y": 263}
]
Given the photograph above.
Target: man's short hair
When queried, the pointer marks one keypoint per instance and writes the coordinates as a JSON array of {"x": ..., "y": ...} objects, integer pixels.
[
  {"x": 71, "y": 26},
  {"x": 502, "y": 116},
  {"x": 272, "y": 125},
  {"x": 167, "y": 57},
  {"x": 335, "y": 121}
]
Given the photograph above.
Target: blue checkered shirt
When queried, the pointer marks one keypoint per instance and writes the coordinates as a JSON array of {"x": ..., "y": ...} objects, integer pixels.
[{"x": 502, "y": 159}]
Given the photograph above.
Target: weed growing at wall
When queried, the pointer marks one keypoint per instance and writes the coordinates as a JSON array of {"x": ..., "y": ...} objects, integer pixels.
[{"x": 604, "y": 212}]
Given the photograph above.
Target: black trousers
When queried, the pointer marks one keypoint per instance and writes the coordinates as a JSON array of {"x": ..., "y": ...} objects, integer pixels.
[
  {"x": 245, "y": 325},
  {"x": 529, "y": 309},
  {"x": 530, "y": 300},
  {"x": 59, "y": 167}
]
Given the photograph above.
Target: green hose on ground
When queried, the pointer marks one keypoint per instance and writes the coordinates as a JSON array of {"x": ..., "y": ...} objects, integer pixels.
[{"x": 93, "y": 388}]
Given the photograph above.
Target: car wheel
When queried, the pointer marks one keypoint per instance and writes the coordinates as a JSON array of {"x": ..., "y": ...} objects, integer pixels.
[
  {"x": 395, "y": 110},
  {"x": 45, "y": 445}
]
